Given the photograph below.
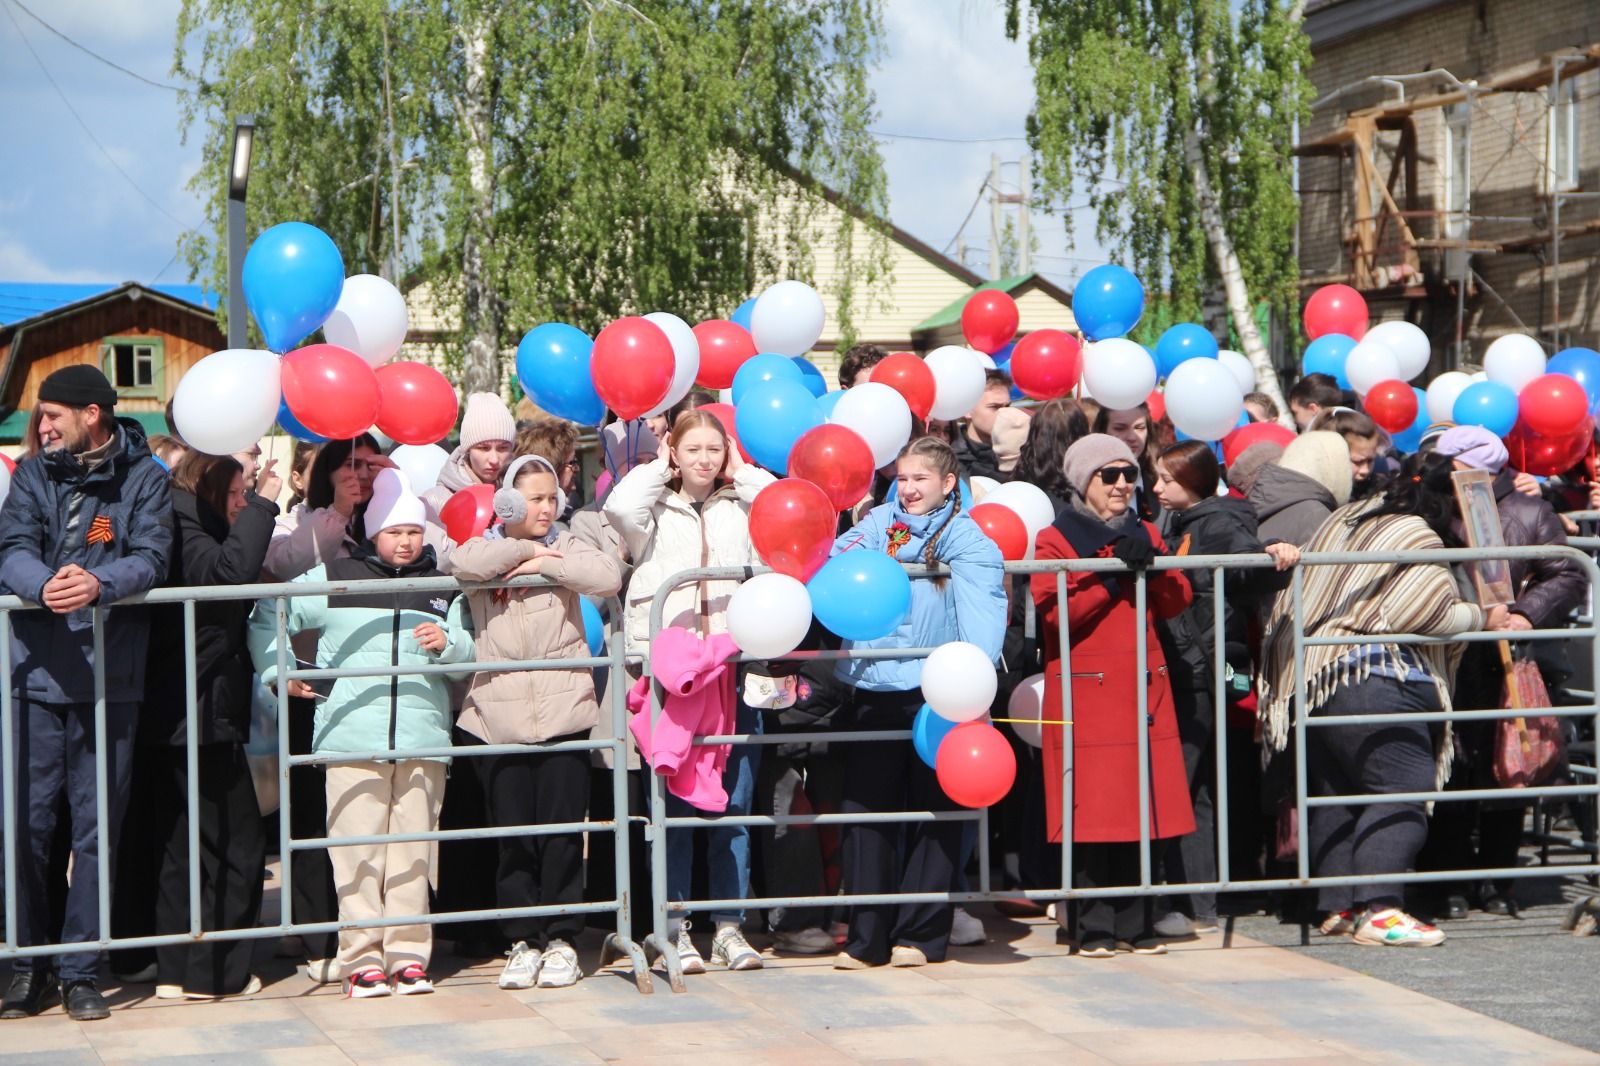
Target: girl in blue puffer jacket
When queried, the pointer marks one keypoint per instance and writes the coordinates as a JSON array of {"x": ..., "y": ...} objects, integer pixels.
[{"x": 923, "y": 524}]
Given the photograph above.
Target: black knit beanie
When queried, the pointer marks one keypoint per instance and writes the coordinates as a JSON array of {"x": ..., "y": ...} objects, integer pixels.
[{"x": 78, "y": 385}]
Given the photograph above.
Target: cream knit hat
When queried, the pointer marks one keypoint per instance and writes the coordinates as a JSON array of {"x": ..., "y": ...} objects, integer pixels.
[
  {"x": 1324, "y": 457},
  {"x": 487, "y": 418}
]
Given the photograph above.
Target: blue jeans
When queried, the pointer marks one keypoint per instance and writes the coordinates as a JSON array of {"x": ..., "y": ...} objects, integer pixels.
[{"x": 727, "y": 847}]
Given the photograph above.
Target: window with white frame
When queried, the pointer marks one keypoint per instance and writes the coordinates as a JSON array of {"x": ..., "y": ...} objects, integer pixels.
[{"x": 1563, "y": 138}]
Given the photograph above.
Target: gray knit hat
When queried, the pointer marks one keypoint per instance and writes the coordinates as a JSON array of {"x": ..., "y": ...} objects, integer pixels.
[{"x": 1089, "y": 454}]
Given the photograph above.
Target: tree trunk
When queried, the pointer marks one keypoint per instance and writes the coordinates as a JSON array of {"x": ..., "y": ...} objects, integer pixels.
[
  {"x": 480, "y": 322},
  {"x": 1239, "y": 306}
]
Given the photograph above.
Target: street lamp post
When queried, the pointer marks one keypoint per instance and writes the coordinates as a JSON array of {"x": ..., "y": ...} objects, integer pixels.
[{"x": 244, "y": 131}]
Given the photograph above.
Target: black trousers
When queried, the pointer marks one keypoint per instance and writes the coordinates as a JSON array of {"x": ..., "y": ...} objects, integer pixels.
[
  {"x": 312, "y": 890},
  {"x": 896, "y": 857},
  {"x": 466, "y": 867},
  {"x": 232, "y": 857},
  {"x": 1192, "y": 857},
  {"x": 790, "y": 859},
  {"x": 537, "y": 871},
  {"x": 1102, "y": 918}
]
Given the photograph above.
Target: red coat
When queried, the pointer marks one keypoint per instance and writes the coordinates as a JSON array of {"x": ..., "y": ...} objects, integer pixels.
[{"x": 1105, "y": 746}]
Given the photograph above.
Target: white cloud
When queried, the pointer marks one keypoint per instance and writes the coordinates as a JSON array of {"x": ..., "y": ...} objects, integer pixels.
[{"x": 18, "y": 263}]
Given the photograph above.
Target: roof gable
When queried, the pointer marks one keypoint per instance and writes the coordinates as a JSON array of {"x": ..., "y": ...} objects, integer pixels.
[{"x": 22, "y": 301}]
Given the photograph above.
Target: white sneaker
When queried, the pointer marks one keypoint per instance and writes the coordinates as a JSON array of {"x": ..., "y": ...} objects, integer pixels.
[
  {"x": 322, "y": 971},
  {"x": 169, "y": 991},
  {"x": 522, "y": 967},
  {"x": 558, "y": 966},
  {"x": 688, "y": 955},
  {"x": 729, "y": 948},
  {"x": 251, "y": 987},
  {"x": 966, "y": 929},
  {"x": 813, "y": 941}
]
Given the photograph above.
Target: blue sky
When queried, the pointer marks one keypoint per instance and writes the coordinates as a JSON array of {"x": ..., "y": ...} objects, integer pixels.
[{"x": 67, "y": 214}]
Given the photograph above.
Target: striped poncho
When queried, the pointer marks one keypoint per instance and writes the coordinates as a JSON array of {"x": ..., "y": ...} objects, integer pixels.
[{"x": 1357, "y": 600}]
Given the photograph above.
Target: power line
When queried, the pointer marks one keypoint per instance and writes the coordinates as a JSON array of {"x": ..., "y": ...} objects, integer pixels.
[
  {"x": 881, "y": 135},
  {"x": 983, "y": 187},
  {"x": 91, "y": 53},
  {"x": 84, "y": 125}
]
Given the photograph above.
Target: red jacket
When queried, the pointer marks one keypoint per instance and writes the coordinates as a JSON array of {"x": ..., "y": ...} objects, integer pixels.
[{"x": 1105, "y": 745}]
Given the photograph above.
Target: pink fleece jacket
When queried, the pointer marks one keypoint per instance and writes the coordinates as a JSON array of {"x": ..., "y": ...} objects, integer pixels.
[{"x": 699, "y": 685}]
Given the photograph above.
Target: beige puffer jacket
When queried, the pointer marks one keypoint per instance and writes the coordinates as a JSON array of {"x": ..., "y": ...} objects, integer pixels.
[
  {"x": 527, "y": 707},
  {"x": 666, "y": 535},
  {"x": 456, "y": 474}
]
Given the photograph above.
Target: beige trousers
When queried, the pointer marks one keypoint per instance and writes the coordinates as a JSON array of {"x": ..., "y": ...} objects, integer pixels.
[{"x": 383, "y": 880}]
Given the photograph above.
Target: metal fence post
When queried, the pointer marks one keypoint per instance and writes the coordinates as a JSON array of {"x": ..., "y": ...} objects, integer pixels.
[
  {"x": 102, "y": 791},
  {"x": 1219, "y": 680},
  {"x": 8, "y": 777},
  {"x": 1142, "y": 707},
  {"x": 1299, "y": 710},
  {"x": 192, "y": 761},
  {"x": 280, "y": 613}
]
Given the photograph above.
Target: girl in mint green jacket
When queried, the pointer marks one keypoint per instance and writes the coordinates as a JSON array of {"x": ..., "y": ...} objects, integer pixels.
[{"x": 369, "y": 797}]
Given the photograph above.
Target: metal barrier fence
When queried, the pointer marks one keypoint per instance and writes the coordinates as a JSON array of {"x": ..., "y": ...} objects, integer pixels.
[{"x": 658, "y": 943}]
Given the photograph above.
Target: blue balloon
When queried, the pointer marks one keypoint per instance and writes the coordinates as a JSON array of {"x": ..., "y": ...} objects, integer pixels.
[
  {"x": 1488, "y": 404},
  {"x": 553, "y": 369},
  {"x": 1107, "y": 302},
  {"x": 293, "y": 275},
  {"x": 1326, "y": 355},
  {"x": 1181, "y": 343},
  {"x": 961, "y": 487},
  {"x": 741, "y": 314},
  {"x": 760, "y": 369},
  {"x": 594, "y": 630},
  {"x": 811, "y": 376},
  {"x": 1003, "y": 356},
  {"x": 771, "y": 417},
  {"x": 828, "y": 401},
  {"x": 1583, "y": 366},
  {"x": 1410, "y": 439},
  {"x": 291, "y": 425},
  {"x": 928, "y": 731},
  {"x": 860, "y": 595}
]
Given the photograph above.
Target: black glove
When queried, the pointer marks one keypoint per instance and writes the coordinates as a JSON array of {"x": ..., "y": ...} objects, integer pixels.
[{"x": 1135, "y": 551}]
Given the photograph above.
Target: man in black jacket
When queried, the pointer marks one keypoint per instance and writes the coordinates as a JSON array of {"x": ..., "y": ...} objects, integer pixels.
[
  {"x": 975, "y": 444},
  {"x": 88, "y": 522}
]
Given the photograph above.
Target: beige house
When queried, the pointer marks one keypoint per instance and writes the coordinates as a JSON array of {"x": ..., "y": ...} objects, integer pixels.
[{"x": 1451, "y": 166}]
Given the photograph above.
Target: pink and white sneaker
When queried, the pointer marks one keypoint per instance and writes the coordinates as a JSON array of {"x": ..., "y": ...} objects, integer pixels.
[
  {"x": 1396, "y": 929},
  {"x": 411, "y": 980}
]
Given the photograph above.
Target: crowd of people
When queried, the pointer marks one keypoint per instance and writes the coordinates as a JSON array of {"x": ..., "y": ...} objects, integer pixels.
[{"x": 98, "y": 513}]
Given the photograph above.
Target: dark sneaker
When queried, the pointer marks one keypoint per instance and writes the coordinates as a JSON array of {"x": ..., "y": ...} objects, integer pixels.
[
  {"x": 27, "y": 995},
  {"x": 83, "y": 1001}
]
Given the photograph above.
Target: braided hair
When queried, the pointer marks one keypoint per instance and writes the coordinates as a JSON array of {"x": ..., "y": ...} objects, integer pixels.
[{"x": 939, "y": 455}]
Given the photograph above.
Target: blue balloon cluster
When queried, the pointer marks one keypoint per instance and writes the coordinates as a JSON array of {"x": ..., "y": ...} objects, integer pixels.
[
  {"x": 1489, "y": 404},
  {"x": 771, "y": 417},
  {"x": 1107, "y": 302},
  {"x": 811, "y": 376},
  {"x": 1326, "y": 355},
  {"x": 928, "y": 731},
  {"x": 1583, "y": 366},
  {"x": 553, "y": 369},
  {"x": 760, "y": 369},
  {"x": 1181, "y": 343},
  {"x": 292, "y": 277},
  {"x": 860, "y": 595}
]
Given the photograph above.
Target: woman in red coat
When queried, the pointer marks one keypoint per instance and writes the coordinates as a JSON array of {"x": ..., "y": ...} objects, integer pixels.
[{"x": 1101, "y": 620}]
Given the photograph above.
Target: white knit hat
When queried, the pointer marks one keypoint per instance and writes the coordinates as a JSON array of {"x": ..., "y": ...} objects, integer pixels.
[
  {"x": 393, "y": 504},
  {"x": 1324, "y": 457},
  {"x": 487, "y": 418}
]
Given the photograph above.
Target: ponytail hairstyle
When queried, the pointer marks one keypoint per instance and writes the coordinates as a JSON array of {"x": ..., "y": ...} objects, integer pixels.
[
  {"x": 942, "y": 457},
  {"x": 696, "y": 418}
]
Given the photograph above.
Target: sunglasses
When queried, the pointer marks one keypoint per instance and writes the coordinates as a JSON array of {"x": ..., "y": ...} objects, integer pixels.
[{"x": 1110, "y": 475}]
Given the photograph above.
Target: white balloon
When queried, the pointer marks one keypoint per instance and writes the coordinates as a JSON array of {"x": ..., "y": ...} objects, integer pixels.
[
  {"x": 421, "y": 464},
  {"x": 685, "y": 358},
  {"x": 1119, "y": 372},
  {"x": 987, "y": 361},
  {"x": 981, "y": 487},
  {"x": 1203, "y": 398},
  {"x": 1370, "y": 362},
  {"x": 1409, "y": 344},
  {"x": 227, "y": 401},
  {"x": 957, "y": 381},
  {"x": 1442, "y": 393},
  {"x": 1027, "y": 703},
  {"x": 787, "y": 318},
  {"x": 958, "y": 681},
  {"x": 1479, "y": 376},
  {"x": 769, "y": 615},
  {"x": 370, "y": 319},
  {"x": 880, "y": 414},
  {"x": 1030, "y": 502},
  {"x": 1243, "y": 371},
  {"x": 1514, "y": 360}
]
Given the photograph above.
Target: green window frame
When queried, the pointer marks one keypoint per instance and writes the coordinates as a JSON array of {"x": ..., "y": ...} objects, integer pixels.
[{"x": 135, "y": 366}]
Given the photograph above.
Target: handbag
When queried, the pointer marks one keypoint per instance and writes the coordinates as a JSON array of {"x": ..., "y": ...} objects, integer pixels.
[{"x": 1529, "y": 750}]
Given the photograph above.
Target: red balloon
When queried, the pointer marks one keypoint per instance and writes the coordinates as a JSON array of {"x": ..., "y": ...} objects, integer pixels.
[
  {"x": 1393, "y": 405},
  {"x": 723, "y": 413},
  {"x": 724, "y": 346},
  {"x": 1549, "y": 455},
  {"x": 468, "y": 513},
  {"x": 837, "y": 460},
  {"x": 419, "y": 404},
  {"x": 975, "y": 764},
  {"x": 1003, "y": 526},
  {"x": 1234, "y": 444},
  {"x": 1553, "y": 405},
  {"x": 989, "y": 320},
  {"x": 632, "y": 365},
  {"x": 792, "y": 525},
  {"x": 331, "y": 390},
  {"x": 1336, "y": 309},
  {"x": 1156, "y": 404},
  {"x": 1046, "y": 363},
  {"x": 908, "y": 375}
]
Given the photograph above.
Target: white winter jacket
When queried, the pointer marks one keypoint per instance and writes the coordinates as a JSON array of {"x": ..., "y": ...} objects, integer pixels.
[{"x": 666, "y": 535}]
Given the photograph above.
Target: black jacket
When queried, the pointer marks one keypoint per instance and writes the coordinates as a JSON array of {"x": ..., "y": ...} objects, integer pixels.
[
  {"x": 1218, "y": 525},
  {"x": 977, "y": 460},
  {"x": 206, "y": 551},
  {"x": 114, "y": 521}
]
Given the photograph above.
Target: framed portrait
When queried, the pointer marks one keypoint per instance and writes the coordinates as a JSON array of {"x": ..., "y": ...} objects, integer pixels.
[{"x": 1481, "y": 517}]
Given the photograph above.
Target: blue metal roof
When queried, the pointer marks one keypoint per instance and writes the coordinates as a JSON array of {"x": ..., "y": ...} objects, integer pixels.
[{"x": 26, "y": 299}]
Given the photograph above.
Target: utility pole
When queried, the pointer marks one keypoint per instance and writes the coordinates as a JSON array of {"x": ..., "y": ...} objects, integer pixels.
[
  {"x": 1024, "y": 204},
  {"x": 995, "y": 212}
]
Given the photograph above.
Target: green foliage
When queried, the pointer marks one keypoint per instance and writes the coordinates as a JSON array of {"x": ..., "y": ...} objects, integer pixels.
[
  {"x": 630, "y": 158},
  {"x": 1119, "y": 84}
]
